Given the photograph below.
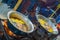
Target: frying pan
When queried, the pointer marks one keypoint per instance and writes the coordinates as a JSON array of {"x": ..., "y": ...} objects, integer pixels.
[
  {"x": 13, "y": 26},
  {"x": 47, "y": 24},
  {"x": 5, "y": 12}
]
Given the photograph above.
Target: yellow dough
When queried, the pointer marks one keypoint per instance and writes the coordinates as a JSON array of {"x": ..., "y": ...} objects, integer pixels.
[
  {"x": 20, "y": 24},
  {"x": 45, "y": 25}
]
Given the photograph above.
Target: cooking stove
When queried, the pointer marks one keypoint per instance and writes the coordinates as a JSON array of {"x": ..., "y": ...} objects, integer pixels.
[{"x": 6, "y": 34}]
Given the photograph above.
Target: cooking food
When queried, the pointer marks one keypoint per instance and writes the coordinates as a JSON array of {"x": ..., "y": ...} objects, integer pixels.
[
  {"x": 20, "y": 24},
  {"x": 45, "y": 25}
]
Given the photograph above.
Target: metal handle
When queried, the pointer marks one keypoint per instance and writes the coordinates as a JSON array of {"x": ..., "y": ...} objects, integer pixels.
[
  {"x": 58, "y": 7},
  {"x": 17, "y": 4}
]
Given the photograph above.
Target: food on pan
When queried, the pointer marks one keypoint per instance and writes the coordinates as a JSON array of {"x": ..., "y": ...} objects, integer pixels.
[
  {"x": 20, "y": 24},
  {"x": 45, "y": 25}
]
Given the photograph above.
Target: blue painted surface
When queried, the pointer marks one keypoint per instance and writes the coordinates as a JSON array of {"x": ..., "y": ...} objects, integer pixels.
[
  {"x": 44, "y": 11},
  {"x": 32, "y": 5},
  {"x": 32, "y": 18},
  {"x": 4, "y": 1},
  {"x": 58, "y": 19},
  {"x": 10, "y": 3},
  {"x": 21, "y": 6}
]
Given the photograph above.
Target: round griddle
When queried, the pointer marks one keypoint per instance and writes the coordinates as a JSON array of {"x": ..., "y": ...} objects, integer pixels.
[{"x": 47, "y": 24}]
